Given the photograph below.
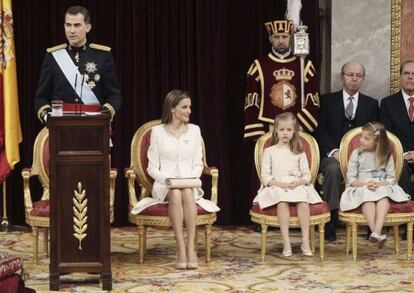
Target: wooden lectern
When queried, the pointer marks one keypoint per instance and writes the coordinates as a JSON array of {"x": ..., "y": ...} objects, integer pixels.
[{"x": 79, "y": 197}]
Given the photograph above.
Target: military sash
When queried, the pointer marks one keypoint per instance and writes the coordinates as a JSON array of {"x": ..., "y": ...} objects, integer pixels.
[{"x": 71, "y": 73}]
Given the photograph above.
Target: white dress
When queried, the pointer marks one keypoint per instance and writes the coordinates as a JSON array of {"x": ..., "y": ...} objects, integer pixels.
[
  {"x": 362, "y": 167},
  {"x": 282, "y": 165},
  {"x": 172, "y": 157}
]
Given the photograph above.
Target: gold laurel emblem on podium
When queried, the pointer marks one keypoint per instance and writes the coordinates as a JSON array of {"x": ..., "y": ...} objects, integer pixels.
[{"x": 80, "y": 208}]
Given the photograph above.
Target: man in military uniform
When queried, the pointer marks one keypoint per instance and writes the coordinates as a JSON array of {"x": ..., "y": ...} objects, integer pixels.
[
  {"x": 274, "y": 85},
  {"x": 81, "y": 74}
]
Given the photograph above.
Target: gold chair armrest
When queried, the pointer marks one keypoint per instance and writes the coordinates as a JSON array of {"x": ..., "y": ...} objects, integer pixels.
[
  {"x": 28, "y": 205},
  {"x": 112, "y": 177},
  {"x": 130, "y": 175},
  {"x": 214, "y": 173}
]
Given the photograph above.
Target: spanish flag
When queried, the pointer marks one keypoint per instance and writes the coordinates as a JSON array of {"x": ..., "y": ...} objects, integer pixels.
[{"x": 10, "y": 130}]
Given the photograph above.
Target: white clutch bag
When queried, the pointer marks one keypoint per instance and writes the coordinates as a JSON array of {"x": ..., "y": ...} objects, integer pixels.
[{"x": 189, "y": 182}]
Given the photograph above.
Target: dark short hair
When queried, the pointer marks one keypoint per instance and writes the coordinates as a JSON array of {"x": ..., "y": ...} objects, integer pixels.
[
  {"x": 73, "y": 10},
  {"x": 405, "y": 63}
]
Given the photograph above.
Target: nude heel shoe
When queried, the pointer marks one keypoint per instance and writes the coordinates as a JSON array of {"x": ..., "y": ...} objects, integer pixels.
[
  {"x": 180, "y": 265},
  {"x": 306, "y": 252},
  {"x": 193, "y": 265}
]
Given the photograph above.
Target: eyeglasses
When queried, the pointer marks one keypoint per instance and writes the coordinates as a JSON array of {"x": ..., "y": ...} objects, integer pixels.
[{"x": 352, "y": 75}]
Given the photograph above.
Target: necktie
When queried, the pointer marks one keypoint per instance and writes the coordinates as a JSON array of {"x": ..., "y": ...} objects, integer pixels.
[
  {"x": 411, "y": 108},
  {"x": 349, "y": 110}
]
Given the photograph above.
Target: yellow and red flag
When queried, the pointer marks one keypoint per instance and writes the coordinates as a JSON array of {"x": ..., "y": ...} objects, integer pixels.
[{"x": 10, "y": 129}]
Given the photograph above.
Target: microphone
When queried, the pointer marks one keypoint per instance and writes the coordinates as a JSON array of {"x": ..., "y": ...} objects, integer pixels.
[
  {"x": 80, "y": 101},
  {"x": 76, "y": 97}
]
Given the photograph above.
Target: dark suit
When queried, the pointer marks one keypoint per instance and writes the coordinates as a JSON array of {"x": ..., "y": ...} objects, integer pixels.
[
  {"x": 333, "y": 124},
  {"x": 394, "y": 116}
]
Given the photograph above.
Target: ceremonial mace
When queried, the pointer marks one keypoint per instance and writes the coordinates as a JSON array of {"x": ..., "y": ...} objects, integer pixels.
[{"x": 301, "y": 49}]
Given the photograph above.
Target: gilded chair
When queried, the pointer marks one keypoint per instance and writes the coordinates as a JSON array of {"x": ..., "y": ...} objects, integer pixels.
[
  {"x": 399, "y": 213},
  {"x": 157, "y": 215},
  {"x": 320, "y": 213},
  {"x": 37, "y": 212}
]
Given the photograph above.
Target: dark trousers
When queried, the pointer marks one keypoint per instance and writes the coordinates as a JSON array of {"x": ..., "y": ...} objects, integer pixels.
[
  {"x": 333, "y": 183},
  {"x": 405, "y": 179}
]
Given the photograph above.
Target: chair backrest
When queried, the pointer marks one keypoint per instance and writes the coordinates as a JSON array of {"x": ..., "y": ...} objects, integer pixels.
[
  {"x": 309, "y": 144},
  {"x": 40, "y": 165},
  {"x": 351, "y": 140},
  {"x": 139, "y": 159}
]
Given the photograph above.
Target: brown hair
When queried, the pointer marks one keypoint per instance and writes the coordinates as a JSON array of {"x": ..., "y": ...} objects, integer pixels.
[
  {"x": 295, "y": 144},
  {"x": 73, "y": 10},
  {"x": 172, "y": 99},
  {"x": 383, "y": 149}
]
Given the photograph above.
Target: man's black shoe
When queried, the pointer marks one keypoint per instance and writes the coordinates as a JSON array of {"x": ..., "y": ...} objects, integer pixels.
[{"x": 258, "y": 228}]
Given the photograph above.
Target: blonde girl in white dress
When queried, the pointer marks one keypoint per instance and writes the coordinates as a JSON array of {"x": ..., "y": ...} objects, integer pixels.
[
  {"x": 175, "y": 151},
  {"x": 371, "y": 180},
  {"x": 286, "y": 179}
]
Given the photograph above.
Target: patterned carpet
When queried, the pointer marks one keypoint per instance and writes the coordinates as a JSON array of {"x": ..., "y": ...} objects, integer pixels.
[{"x": 235, "y": 265}]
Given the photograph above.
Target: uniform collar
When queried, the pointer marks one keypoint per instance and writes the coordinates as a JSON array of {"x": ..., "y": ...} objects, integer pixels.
[
  {"x": 78, "y": 49},
  {"x": 281, "y": 56}
]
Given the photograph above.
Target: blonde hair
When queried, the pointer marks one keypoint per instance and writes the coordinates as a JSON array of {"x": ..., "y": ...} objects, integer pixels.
[
  {"x": 295, "y": 144},
  {"x": 383, "y": 149},
  {"x": 172, "y": 99}
]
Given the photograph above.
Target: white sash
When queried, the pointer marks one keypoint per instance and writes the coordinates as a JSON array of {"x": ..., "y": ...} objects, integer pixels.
[{"x": 71, "y": 73}]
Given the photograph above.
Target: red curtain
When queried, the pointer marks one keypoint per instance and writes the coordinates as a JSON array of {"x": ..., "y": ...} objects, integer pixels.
[{"x": 203, "y": 46}]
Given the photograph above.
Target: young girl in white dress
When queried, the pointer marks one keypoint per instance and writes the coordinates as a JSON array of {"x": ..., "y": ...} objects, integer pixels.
[
  {"x": 286, "y": 179},
  {"x": 371, "y": 180}
]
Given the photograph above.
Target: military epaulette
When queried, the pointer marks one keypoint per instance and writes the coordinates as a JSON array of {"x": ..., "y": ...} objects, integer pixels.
[
  {"x": 55, "y": 48},
  {"x": 100, "y": 47}
]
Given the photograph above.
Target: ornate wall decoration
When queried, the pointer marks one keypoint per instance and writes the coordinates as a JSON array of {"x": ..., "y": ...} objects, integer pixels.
[{"x": 395, "y": 46}]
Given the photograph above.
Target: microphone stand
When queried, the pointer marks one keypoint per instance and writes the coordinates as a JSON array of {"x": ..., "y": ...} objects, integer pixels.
[
  {"x": 76, "y": 97},
  {"x": 80, "y": 100}
]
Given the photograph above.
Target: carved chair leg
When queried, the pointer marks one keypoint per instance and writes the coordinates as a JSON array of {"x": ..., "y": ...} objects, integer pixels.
[
  {"x": 35, "y": 233},
  {"x": 396, "y": 234},
  {"x": 354, "y": 241},
  {"x": 312, "y": 238},
  {"x": 141, "y": 233},
  {"x": 196, "y": 238},
  {"x": 264, "y": 235},
  {"x": 145, "y": 240},
  {"x": 348, "y": 239},
  {"x": 322, "y": 240},
  {"x": 409, "y": 239},
  {"x": 46, "y": 241},
  {"x": 208, "y": 242}
]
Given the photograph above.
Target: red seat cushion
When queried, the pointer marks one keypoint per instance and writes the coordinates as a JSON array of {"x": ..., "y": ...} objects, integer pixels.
[
  {"x": 395, "y": 208},
  {"x": 9, "y": 265},
  {"x": 315, "y": 209},
  {"x": 40, "y": 208},
  {"x": 161, "y": 210}
]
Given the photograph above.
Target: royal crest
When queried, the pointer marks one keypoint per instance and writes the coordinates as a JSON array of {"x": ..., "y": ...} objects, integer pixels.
[
  {"x": 283, "y": 93},
  {"x": 7, "y": 52},
  {"x": 90, "y": 67}
]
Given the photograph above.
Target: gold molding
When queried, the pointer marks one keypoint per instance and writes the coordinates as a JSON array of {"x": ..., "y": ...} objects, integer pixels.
[
  {"x": 80, "y": 208},
  {"x": 395, "y": 46}
]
